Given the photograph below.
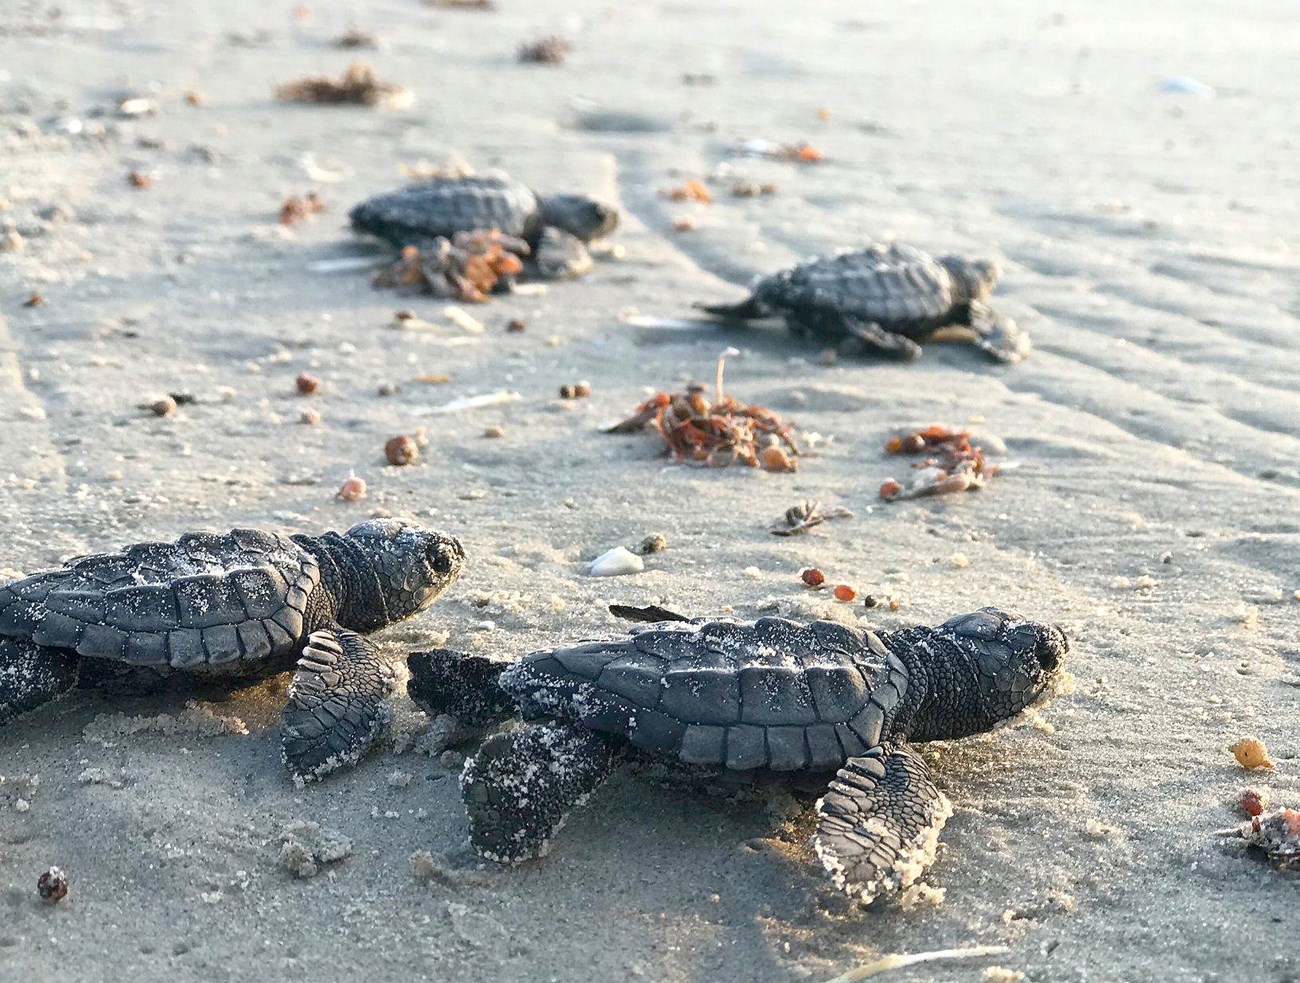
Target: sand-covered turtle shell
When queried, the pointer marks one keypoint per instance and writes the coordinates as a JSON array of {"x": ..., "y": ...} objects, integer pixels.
[
  {"x": 772, "y": 694},
  {"x": 203, "y": 599},
  {"x": 444, "y": 206}
]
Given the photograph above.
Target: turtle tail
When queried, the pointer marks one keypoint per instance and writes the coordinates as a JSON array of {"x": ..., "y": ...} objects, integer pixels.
[
  {"x": 747, "y": 310},
  {"x": 31, "y": 676}
]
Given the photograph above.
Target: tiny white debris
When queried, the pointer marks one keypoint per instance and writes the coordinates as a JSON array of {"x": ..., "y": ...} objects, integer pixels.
[
  {"x": 344, "y": 264},
  {"x": 960, "y": 560},
  {"x": 22, "y": 805},
  {"x": 667, "y": 323},
  {"x": 752, "y": 572},
  {"x": 529, "y": 289},
  {"x": 400, "y": 779},
  {"x": 137, "y": 107},
  {"x": 321, "y": 174},
  {"x": 1121, "y": 583},
  {"x": 474, "y": 402},
  {"x": 1185, "y": 85},
  {"x": 1146, "y": 582},
  {"x": 463, "y": 319},
  {"x": 616, "y": 562}
]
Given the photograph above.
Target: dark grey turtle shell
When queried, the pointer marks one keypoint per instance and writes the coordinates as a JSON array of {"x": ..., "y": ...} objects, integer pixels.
[
  {"x": 771, "y": 694},
  {"x": 445, "y": 206},
  {"x": 203, "y": 599},
  {"x": 905, "y": 290}
]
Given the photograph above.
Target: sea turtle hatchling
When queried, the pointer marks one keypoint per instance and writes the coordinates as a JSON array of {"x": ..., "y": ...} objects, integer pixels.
[
  {"x": 884, "y": 298},
  {"x": 769, "y": 695},
  {"x": 555, "y": 227},
  {"x": 246, "y": 603}
]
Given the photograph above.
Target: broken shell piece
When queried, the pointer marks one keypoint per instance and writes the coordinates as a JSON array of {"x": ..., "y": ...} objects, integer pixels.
[
  {"x": 616, "y": 563},
  {"x": 1277, "y": 833},
  {"x": 1251, "y": 754},
  {"x": 353, "y": 489},
  {"x": 804, "y": 516}
]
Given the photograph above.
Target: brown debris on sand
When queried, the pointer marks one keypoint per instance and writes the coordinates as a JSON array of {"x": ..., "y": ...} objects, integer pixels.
[
  {"x": 951, "y": 464},
  {"x": 467, "y": 267},
  {"x": 298, "y": 208},
  {"x": 552, "y": 50},
  {"x": 358, "y": 86},
  {"x": 806, "y": 515},
  {"x": 1277, "y": 833},
  {"x": 715, "y": 433}
]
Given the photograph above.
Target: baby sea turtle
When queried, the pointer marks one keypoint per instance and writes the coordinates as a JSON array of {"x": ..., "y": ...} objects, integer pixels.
[
  {"x": 772, "y": 695},
  {"x": 246, "y": 603},
  {"x": 555, "y": 227},
  {"x": 886, "y": 298}
]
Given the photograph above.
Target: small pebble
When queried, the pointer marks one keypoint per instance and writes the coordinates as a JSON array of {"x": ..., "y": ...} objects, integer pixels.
[
  {"x": 404, "y": 316},
  {"x": 165, "y": 406},
  {"x": 775, "y": 458},
  {"x": 1251, "y": 754},
  {"x": 960, "y": 560},
  {"x": 845, "y": 593},
  {"x": 401, "y": 450},
  {"x": 1146, "y": 582},
  {"x": 307, "y": 384},
  {"x": 685, "y": 223},
  {"x": 870, "y": 601},
  {"x": 579, "y": 390},
  {"x": 52, "y": 886},
  {"x": 138, "y": 179},
  {"x": 616, "y": 562},
  {"x": 353, "y": 489},
  {"x": 310, "y": 418},
  {"x": 494, "y": 432},
  {"x": 516, "y": 325},
  {"x": 654, "y": 543},
  {"x": 812, "y": 576},
  {"x": 34, "y": 300}
]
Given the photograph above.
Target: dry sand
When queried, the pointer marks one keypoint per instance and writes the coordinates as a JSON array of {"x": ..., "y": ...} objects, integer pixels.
[{"x": 1149, "y": 244}]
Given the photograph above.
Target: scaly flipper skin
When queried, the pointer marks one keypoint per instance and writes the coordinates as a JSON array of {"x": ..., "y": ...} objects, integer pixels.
[
  {"x": 522, "y": 784},
  {"x": 461, "y": 685},
  {"x": 31, "y": 676},
  {"x": 997, "y": 335},
  {"x": 879, "y": 340},
  {"x": 878, "y": 824},
  {"x": 337, "y": 705}
]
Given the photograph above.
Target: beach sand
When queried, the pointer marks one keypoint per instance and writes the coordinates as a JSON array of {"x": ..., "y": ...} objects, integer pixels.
[{"x": 1148, "y": 239}]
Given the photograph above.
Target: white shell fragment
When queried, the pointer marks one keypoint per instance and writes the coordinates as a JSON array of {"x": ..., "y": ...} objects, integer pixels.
[
  {"x": 474, "y": 402},
  {"x": 615, "y": 563}
]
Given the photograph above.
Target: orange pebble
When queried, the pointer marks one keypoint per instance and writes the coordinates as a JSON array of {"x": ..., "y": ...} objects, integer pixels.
[
  {"x": 352, "y": 489},
  {"x": 307, "y": 384},
  {"x": 1254, "y": 801},
  {"x": 812, "y": 576},
  {"x": 401, "y": 450},
  {"x": 776, "y": 459},
  {"x": 845, "y": 593},
  {"x": 890, "y": 489}
]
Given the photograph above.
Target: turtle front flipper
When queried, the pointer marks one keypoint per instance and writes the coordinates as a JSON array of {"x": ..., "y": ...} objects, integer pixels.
[
  {"x": 31, "y": 676},
  {"x": 879, "y": 340},
  {"x": 521, "y": 785},
  {"x": 998, "y": 335},
  {"x": 878, "y": 824},
  {"x": 561, "y": 255},
  {"x": 461, "y": 685},
  {"x": 337, "y": 706}
]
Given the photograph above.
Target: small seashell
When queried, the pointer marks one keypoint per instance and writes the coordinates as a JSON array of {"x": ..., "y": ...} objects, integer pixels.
[
  {"x": 164, "y": 406},
  {"x": 1251, "y": 754},
  {"x": 310, "y": 418},
  {"x": 52, "y": 885},
  {"x": 616, "y": 562},
  {"x": 845, "y": 593},
  {"x": 1254, "y": 801},
  {"x": 307, "y": 383},
  {"x": 401, "y": 450},
  {"x": 775, "y": 458},
  {"x": 353, "y": 489},
  {"x": 812, "y": 577}
]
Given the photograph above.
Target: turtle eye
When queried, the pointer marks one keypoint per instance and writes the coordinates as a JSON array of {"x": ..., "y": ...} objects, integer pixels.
[{"x": 440, "y": 559}]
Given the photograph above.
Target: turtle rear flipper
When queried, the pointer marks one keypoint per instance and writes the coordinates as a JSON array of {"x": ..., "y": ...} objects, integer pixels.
[
  {"x": 561, "y": 255},
  {"x": 998, "y": 335},
  {"x": 337, "y": 706},
  {"x": 521, "y": 785},
  {"x": 877, "y": 339},
  {"x": 461, "y": 685},
  {"x": 31, "y": 676},
  {"x": 748, "y": 309},
  {"x": 879, "y": 822}
]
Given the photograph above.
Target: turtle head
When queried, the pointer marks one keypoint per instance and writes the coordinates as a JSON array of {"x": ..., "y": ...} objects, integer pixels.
[
  {"x": 581, "y": 216},
  {"x": 975, "y": 277},
  {"x": 990, "y": 664},
  {"x": 405, "y": 569}
]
